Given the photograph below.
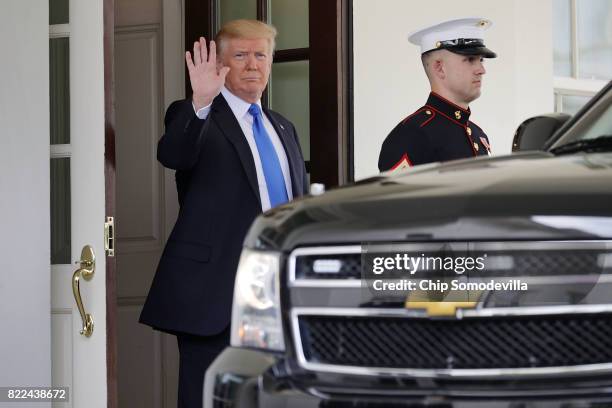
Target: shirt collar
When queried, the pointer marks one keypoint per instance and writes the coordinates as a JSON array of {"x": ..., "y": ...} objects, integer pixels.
[
  {"x": 454, "y": 112},
  {"x": 239, "y": 107}
]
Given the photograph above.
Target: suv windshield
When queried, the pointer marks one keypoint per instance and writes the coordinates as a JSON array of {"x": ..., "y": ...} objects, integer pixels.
[{"x": 592, "y": 129}]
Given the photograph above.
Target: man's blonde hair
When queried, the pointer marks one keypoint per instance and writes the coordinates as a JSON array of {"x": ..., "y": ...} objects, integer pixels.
[{"x": 245, "y": 29}]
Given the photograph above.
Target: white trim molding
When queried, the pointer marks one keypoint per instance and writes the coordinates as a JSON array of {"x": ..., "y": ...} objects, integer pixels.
[{"x": 574, "y": 86}]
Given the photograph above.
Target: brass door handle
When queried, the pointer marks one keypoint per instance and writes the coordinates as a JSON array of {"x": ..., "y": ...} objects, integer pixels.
[{"x": 86, "y": 271}]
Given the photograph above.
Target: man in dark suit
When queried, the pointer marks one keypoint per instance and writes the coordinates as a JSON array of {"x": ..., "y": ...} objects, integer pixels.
[{"x": 232, "y": 162}]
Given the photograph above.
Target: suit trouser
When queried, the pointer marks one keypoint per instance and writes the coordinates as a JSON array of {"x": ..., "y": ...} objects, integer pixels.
[{"x": 196, "y": 353}]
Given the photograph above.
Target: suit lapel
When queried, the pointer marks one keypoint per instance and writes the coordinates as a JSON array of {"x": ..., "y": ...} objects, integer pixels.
[
  {"x": 292, "y": 156},
  {"x": 230, "y": 127}
]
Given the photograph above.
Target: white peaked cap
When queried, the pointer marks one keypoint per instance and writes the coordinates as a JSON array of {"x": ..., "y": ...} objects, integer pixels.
[{"x": 458, "y": 30}]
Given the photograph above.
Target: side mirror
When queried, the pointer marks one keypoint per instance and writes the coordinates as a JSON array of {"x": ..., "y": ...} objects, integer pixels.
[{"x": 533, "y": 133}]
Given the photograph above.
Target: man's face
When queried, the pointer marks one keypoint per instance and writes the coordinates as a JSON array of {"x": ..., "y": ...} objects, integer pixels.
[
  {"x": 463, "y": 76},
  {"x": 250, "y": 61}
]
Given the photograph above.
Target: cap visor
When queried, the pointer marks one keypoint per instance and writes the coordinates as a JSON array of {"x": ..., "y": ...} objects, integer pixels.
[{"x": 484, "y": 51}]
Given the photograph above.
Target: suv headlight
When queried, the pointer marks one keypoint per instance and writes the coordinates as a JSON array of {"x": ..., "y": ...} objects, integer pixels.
[{"x": 256, "y": 314}]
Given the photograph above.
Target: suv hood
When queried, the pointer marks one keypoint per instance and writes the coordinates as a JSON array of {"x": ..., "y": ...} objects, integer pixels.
[{"x": 519, "y": 196}]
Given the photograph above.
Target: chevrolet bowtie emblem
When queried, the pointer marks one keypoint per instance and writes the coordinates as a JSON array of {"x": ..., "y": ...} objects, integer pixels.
[{"x": 439, "y": 308}]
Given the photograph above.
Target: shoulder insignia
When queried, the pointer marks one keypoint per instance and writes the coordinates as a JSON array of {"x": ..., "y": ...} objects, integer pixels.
[
  {"x": 402, "y": 163},
  {"x": 430, "y": 114},
  {"x": 421, "y": 110},
  {"x": 425, "y": 116}
]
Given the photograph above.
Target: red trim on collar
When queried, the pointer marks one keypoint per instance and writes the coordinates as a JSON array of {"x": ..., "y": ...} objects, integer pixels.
[
  {"x": 446, "y": 116},
  {"x": 404, "y": 157},
  {"x": 451, "y": 103},
  {"x": 411, "y": 115}
]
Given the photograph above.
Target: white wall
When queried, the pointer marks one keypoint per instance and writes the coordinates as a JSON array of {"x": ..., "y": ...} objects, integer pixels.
[
  {"x": 389, "y": 81},
  {"x": 25, "y": 343}
]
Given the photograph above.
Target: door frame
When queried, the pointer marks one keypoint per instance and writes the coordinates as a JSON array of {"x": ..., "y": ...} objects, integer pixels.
[
  {"x": 331, "y": 101},
  {"x": 109, "y": 180}
]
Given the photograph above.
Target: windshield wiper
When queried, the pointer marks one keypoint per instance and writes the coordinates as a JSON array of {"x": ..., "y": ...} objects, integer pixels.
[{"x": 587, "y": 145}]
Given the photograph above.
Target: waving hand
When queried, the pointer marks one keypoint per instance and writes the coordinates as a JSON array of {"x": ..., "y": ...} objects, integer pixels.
[{"x": 206, "y": 80}]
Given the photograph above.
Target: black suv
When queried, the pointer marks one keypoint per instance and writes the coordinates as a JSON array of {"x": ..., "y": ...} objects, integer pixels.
[{"x": 325, "y": 314}]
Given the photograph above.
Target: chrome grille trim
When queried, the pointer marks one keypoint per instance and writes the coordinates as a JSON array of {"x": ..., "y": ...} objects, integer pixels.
[
  {"x": 331, "y": 250},
  {"x": 446, "y": 373},
  {"x": 293, "y": 281}
]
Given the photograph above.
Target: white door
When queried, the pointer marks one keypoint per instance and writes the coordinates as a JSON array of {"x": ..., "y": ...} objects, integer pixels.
[
  {"x": 79, "y": 358},
  {"x": 52, "y": 145}
]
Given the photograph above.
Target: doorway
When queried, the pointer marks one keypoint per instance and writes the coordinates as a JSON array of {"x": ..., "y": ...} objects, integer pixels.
[{"x": 150, "y": 40}]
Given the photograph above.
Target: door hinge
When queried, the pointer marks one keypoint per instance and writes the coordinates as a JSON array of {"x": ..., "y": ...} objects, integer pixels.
[{"x": 109, "y": 236}]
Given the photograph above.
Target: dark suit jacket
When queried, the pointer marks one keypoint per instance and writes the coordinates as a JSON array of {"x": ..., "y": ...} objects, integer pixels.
[{"x": 218, "y": 194}]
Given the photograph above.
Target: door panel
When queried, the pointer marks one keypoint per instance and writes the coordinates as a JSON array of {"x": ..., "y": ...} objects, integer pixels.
[
  {"x": 78, "y": 137},
  {"x": 140, "y": 217},
  {"x": 149, "y": 67},
  {"x": 88, "y": 195}
]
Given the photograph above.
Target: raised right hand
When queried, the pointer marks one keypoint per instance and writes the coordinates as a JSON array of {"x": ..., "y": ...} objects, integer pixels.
[{"x": 206, "y": 81}]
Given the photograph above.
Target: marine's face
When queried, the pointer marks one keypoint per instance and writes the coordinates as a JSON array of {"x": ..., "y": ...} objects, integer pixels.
[
  {"x": 463, "y": 76},
  {"x": 250, "y": 62}
]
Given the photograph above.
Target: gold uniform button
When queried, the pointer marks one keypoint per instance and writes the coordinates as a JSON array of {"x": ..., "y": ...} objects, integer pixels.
[
  {"x": 428, "y": 112},
  {"x": 458, "y": 114},
  {"x": 476, "y": 146},
  {"x": 469, "y": 131}
]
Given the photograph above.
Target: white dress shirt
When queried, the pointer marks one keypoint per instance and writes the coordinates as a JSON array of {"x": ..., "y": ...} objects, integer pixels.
[{"x": 240, "y": 108}]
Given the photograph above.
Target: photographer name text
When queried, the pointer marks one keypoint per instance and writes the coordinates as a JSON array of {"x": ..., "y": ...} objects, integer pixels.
[{"x": 431, "y": 285}]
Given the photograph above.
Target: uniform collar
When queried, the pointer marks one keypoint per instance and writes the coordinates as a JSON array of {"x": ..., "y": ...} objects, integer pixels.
[{"x": 449, "y": 109}]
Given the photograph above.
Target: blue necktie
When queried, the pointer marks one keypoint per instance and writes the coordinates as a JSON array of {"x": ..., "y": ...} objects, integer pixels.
[{"x": 269, "y": 160}]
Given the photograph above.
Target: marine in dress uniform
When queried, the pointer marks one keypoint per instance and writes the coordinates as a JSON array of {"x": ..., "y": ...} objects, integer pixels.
[{"x": 441, "y": 130}]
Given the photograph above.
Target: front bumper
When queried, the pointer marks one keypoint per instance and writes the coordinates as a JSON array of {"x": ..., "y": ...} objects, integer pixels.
[{"x": 243, "y": 378}]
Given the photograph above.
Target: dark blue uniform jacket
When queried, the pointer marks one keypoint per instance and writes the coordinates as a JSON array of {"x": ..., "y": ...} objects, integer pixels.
[{"x": 439, "y": 131}]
